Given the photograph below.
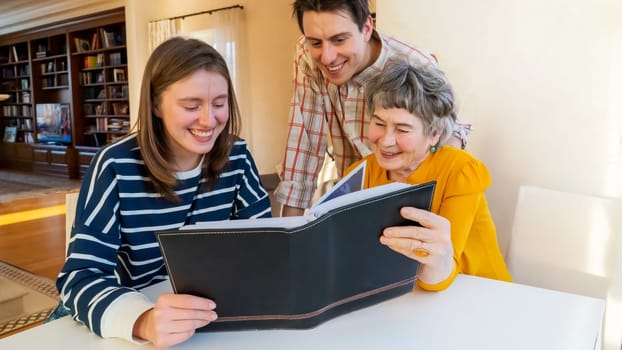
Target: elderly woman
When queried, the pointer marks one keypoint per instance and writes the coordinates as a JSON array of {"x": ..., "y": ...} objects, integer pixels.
[{"x": 413, "y": 116}]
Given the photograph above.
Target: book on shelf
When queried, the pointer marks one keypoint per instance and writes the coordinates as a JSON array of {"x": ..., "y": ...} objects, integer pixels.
[
  {"x": 29, "y": 138},
  {"x": 42, "y": 51},
  {"x": 100, "y": 125},
  {"x": 25, "y": 96},
  {"x": 13, "y": 55},
  {"x": 90, "y": 61},
  {"x": 95, "y": 41},
  {"x": 88, "y": 108},
  {"x": 115, "y": 59},
  {"x": 24, "y": 70},
  {"x": 115, "y": 92},
  {"x": 110, "y": 38},
  {"x": 63, "y": 80},
  {"x": 302, "y": 270}
]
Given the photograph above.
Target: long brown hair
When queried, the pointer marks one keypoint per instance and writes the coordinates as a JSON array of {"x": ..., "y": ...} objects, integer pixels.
[{"x": 172, "y": 61}]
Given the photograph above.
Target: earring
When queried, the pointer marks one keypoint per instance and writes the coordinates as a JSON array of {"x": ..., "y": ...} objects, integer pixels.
[{"x": 432, "y": 149}]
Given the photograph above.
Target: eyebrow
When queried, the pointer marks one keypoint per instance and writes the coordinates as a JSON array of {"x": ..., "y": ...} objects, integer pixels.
[
  {"x": 402, "y": 125},
  {"x": 189, "y": 99},
  {"x": 196, "y": 99},
  {"x": 333, "y": 37}
]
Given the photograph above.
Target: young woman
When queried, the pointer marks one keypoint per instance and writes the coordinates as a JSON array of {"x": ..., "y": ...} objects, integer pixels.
[
  {"x": 183, "y": 164},
  {"x": 413, "y": 115}
]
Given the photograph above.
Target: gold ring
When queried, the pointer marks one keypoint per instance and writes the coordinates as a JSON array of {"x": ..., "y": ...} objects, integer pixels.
[{"x": 421, "y": 252}]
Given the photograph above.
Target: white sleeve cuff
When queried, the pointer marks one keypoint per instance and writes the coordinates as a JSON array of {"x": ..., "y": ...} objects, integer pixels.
[{"x": 119, "y": 318}]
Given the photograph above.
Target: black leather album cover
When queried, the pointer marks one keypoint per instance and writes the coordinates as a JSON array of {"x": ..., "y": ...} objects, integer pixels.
[{"x": 297, "y": 277}]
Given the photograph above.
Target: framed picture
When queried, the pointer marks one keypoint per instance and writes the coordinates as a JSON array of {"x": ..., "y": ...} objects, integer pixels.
[
  {"x": 10, "y": 133},
  {"x": 118, "y": 74}
]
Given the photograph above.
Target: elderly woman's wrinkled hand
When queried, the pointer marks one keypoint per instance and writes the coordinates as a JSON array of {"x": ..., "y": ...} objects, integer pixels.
[{"x": 430, "y": 243}]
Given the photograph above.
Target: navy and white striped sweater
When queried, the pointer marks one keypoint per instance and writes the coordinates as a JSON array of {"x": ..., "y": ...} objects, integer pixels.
[{"x": 113, "y": 250}]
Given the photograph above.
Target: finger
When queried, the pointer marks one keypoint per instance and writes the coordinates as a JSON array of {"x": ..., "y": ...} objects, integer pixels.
[
  {"x": 417, "y": 248},
  {"x": 407, "y": 232},
  {"x": 425, "y": 218},
  {"x": 185, "y": 326},
  {"x": 412, "y": 248},
  {"x": 421, "y": 252},
  {"x": 172, "y": 314},
  {"x": 185, "y": 301}
]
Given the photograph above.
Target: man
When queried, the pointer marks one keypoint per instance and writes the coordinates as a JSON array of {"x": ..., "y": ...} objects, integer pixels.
[{"x": 337, "y": 54}]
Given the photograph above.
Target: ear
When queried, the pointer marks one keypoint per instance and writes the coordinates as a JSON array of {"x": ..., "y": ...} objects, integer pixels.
[
  {"x": 368, "y": 28},
  {"x": 436, "y": 135},
  {"x": 156, "y": 110}
]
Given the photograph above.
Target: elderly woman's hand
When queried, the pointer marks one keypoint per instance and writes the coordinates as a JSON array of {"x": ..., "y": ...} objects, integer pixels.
[{"x": 430, "y": 243}]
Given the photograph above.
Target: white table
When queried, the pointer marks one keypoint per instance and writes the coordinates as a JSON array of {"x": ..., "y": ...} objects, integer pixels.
[{"x": 474, "y": 313}]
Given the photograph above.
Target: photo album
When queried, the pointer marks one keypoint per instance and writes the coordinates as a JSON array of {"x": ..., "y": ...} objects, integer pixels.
[{"x": 297, "y": 272}]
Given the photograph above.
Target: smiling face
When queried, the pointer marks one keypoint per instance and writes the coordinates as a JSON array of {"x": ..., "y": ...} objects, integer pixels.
[
  {"x": 399, "y": 141},
  {"x": 336, "y": 44},
  {"x": 194, "y": 111}
]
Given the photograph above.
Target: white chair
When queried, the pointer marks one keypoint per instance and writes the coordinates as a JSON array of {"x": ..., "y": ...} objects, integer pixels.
[
  {"x": 567, "y": 242},
  {"x": 71, "y": 200}
]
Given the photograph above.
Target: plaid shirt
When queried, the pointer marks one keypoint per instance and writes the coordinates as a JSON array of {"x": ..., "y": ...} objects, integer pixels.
[{"x": 320, "y": 108}]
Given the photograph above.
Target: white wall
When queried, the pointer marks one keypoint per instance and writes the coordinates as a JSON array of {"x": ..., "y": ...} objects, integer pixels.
[{"x": 540, "y": 80}]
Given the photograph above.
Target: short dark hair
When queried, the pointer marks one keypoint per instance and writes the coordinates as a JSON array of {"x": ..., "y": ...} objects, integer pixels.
[
  {"x": 422, "y": 90},
  {"x": 358, "y": 9}
]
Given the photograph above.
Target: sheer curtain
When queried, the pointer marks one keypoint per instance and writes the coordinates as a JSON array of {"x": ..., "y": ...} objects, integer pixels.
[
  {"x": 162, "y": 30},
  {"x": 224, "y": 30}
]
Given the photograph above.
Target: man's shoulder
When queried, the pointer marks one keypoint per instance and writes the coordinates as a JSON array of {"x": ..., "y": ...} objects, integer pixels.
[{"x": 392, "y": 46}]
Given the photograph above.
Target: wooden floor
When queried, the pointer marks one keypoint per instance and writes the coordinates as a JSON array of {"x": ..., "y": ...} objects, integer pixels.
[{"x": 36, "y": 245}]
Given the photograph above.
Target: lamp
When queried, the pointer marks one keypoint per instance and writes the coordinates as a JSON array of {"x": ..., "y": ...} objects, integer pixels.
[{"x": 4, "y": 97}]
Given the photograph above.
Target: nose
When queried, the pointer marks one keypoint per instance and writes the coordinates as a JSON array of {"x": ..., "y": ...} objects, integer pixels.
[
  {"x": 206, "y": 117},
  {"x": 328, "y": 54},
  {"x": 387, "y": 139}
]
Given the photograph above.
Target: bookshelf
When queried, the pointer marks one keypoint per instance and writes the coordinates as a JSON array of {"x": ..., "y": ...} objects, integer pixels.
[
  {"x": 101, "y": 56},
  {"x": 16, "y": 118},
  {"x": 50, "y": 67},
  {"x": 77, "y": 66}
]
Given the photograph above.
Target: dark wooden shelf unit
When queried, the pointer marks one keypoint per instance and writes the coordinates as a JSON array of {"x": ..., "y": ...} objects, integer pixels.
[{"x": 68, "y": 93}]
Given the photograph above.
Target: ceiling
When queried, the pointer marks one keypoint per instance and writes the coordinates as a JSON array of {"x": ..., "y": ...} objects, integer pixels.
[{"x": 16, "y": 15}]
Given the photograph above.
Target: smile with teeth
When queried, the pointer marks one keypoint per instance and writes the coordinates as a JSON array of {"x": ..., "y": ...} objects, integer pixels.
[
  {"x": 202, "y": 133},
  {"x": 388, "y": 154},
  {"x": 334, "y": 68}
]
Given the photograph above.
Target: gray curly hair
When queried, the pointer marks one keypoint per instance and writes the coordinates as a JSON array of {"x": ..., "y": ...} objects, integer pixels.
[{"x": 422, "y": 90}]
